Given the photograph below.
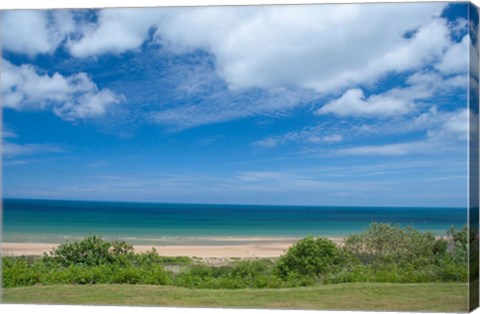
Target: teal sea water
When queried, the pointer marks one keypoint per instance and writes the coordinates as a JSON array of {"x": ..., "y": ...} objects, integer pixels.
[{"x": 148, "y": 223}]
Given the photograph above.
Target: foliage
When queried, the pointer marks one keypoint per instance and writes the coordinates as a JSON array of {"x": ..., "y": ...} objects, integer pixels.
[
  {"x": 91, "y": 251},
  {"x": 387, "y": 244},
  {"x": 17, "y": 272},
  {"x": 242, "y": 274},
  {"x": 152, "y": 258},
  {"x": 309, "y": 257},
  {"x": 459, "y": 243},
  {"x": 383, "y": 253},
  {"x": 90, "y": 261},
  {"x": 396, "y": 254}
]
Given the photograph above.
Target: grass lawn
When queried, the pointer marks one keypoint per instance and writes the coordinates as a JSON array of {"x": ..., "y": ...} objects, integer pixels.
[{"x": 438, "y": 297}]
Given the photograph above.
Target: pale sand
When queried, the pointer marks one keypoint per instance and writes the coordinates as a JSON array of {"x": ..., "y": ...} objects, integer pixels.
[{"x": 268, "y": 248}]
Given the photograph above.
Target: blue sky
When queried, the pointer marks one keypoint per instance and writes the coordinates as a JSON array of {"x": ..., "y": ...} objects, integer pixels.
[{"x": 252, "y": 105}]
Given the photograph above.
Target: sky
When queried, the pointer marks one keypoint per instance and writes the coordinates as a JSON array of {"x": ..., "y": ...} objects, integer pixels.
[{"x": 346, "y": 105}]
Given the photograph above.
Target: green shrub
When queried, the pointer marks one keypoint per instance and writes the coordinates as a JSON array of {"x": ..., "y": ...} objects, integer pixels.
[
  {"x": 91, "y": 251},
  {"x": 440, "y": 247},
  {"x": 17, "y": 272},
  {"x": 460, "y": 236},
  {"x": 308, "y": 257},
  {"x": 386, "y": 275},
  {"x": 154, "y": 275},
  {"x": 175, "y": 260},
  {"x": 126, "y": 274},
  {"x": 90, "y": 261},
  {"x": 406, "y": 255},
  {"x": 350, "y": 273},
  {"x": 459, "y": 243},
  {"x": 384, "y": 244},
  {"x": 242, "y": 274},
  {"x": 454, "y": 272},
  {"x": 250, "y": 269},
  {"x": 147, "y": 259},
  {"x": 383, "y": 253},
  {"x": 152, "y": 258}
]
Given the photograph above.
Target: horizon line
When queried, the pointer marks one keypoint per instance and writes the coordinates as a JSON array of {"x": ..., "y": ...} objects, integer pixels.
[{"x": 230, "y": 204}]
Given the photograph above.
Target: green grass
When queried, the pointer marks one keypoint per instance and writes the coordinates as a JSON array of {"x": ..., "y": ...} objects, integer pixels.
[{"x": 437, "y": 297}]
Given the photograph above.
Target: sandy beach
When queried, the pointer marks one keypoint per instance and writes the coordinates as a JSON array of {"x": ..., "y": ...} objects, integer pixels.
[{"x": 248, "y": 248}]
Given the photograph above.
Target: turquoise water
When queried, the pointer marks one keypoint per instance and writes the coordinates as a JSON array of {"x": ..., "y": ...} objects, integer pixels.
[{"x": 54, "y": 221}]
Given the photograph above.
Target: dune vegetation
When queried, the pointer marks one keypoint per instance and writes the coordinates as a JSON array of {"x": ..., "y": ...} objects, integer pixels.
[
  {"x": 379, "y": 260},
  {"x": 383, "y": 253}
]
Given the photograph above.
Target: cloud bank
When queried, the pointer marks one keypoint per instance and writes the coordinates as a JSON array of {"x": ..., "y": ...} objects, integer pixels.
[
  {"x": 272, "y": 59},
  {"x": 71, "y": 98}
]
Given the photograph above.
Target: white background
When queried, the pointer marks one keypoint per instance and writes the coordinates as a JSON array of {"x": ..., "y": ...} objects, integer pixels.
[{"x": 57, "y": 309}]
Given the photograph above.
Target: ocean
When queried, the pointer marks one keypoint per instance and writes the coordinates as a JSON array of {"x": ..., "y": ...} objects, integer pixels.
[{"x": 53, "y": 221}]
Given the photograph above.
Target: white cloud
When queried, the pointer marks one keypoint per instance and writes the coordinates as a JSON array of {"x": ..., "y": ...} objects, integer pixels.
[
  {"x": 354, "y": 103},
  {"x": 272, "y": 48},
  {"x": 73, "y": 97},
  {"x": 286, "y": 51},
  {"x": 388, "y": 149},
  {"x": 117, "y": 31},
  {"x": 221, "y": 106},
  {"x": 397, "y": 101},
  {"x": 307, "y": 135},
  {"x": 13, "y": 153},
  {"x": 440, "y": 129},
  {"x": 90, "y": 104},
  {"x": 276, "y": 181},
  {"x": 13, "y": 150},
  {"x": 318, "y": 47},
  {"x": 35, "y": 31},
  {"x": 7, "y": 133},
  {"x": 455, "y": 59},
  {"x": 255, "y": 176},
  {"x": 8, "y": 163},
  {"x": 455, "y": 126},
  {"x": 426, "y": 84},
  {"x": 269, "y": 142},
  {"x": 445, "y": 131},
  {"x": 332, "y": 138}
]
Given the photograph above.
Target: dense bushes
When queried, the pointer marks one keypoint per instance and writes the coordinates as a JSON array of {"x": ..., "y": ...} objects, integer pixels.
[
  {"x": 385, "y": 244},
  {"x": 243, "y": 274},
  {"x": 90, "y": 261},
  {"x": 92, "y": 251},
  {"x": 387, "y": 253},
  {"x": 383, "y": 253},
  {"x": 309, "y": 257},
  {"x": 17, "y": 273}
]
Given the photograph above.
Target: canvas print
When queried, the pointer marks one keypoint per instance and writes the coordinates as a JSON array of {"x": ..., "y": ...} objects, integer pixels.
[{"x": 320, "y": 157}]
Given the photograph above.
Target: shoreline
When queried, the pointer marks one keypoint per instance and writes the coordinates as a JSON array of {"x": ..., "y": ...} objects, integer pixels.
[{"x": 243, "y": 248}]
